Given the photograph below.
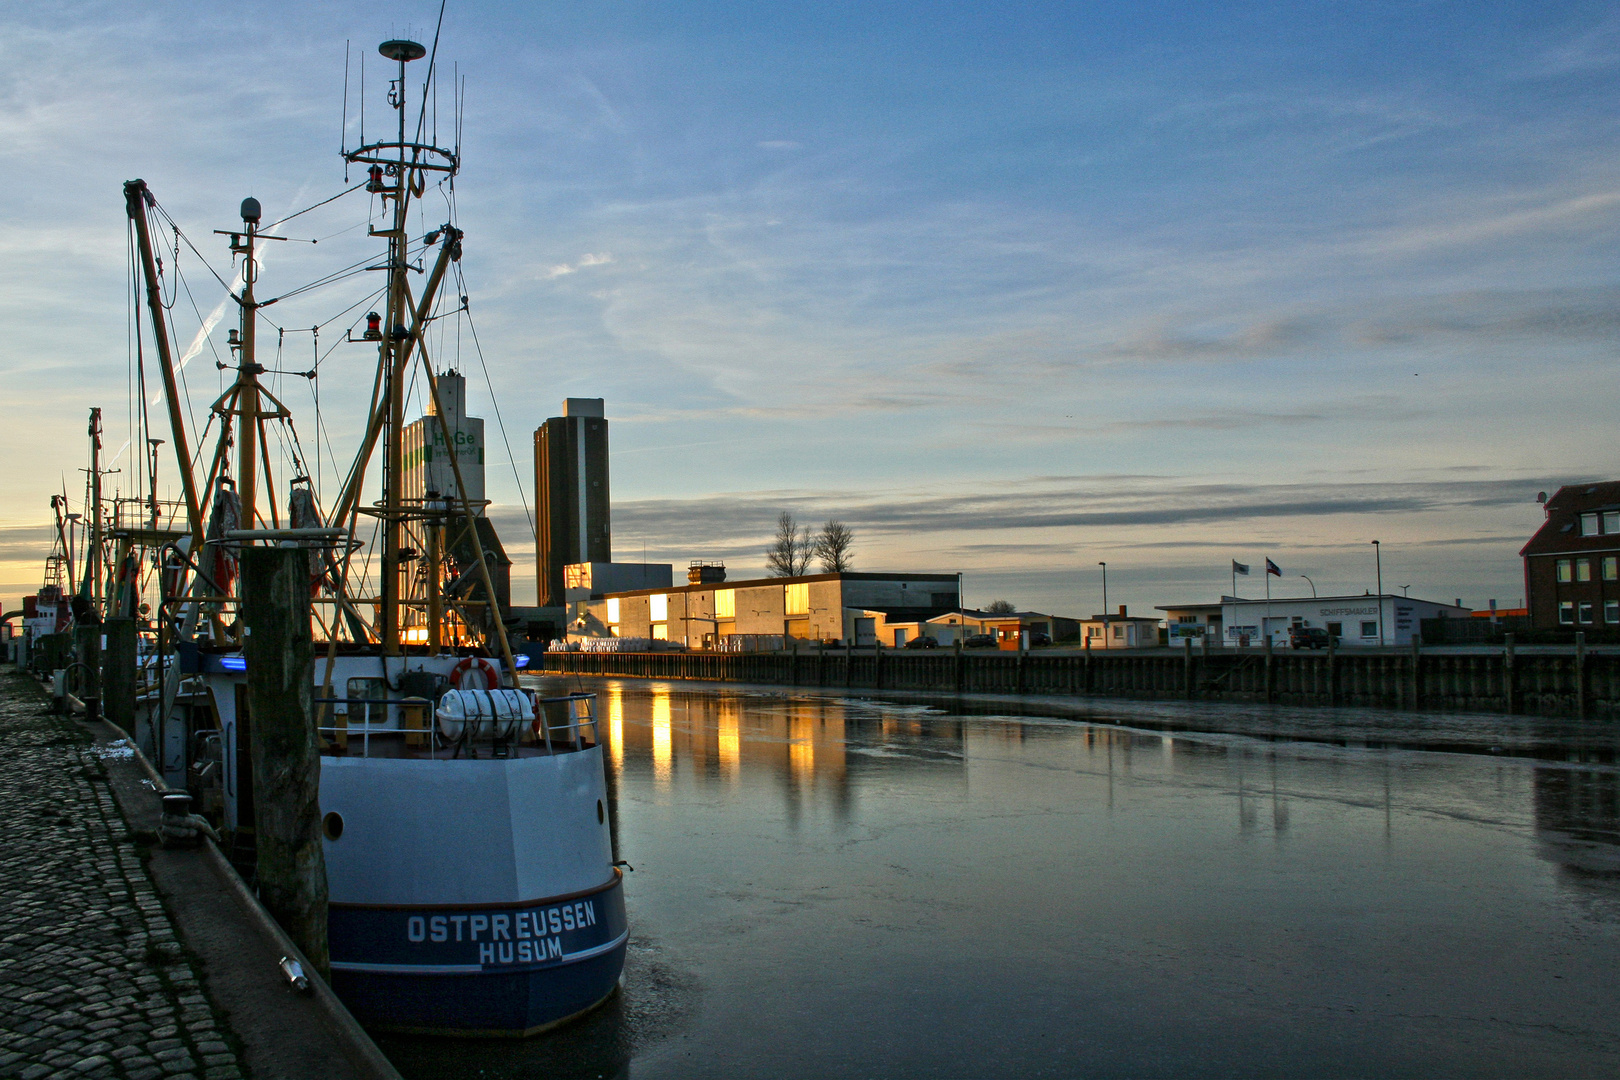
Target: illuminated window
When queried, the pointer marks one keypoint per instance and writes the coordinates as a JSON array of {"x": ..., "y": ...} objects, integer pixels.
[
  {"x": 1566, "y": 613},
  {"x": 1583, "y": 569},
  {"x": 798, "y": 599},
  {"x": 613, "y": 609},
  {"x": 660, "y": 631},
  {"x": 1611, "y": 568},
  {"x": 659, "y": 602},
  {"x": 725, "y": 603},
  {"x": 1564, "y": 573}
]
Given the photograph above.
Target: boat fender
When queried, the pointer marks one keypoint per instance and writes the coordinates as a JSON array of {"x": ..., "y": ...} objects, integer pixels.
[{"x": 492, "y": 678}]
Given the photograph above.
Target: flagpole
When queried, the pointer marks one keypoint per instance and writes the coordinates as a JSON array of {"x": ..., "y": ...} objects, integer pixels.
[{"x": 1265, "y": 624}]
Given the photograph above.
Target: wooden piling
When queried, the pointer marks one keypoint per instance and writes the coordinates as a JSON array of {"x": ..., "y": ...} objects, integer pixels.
[
  {"x": 1580, "y": 675},
  {"x": 286, "y": 761},
  {"x": 1270, "y": 658},
  {"x": 118, "y": 679}
]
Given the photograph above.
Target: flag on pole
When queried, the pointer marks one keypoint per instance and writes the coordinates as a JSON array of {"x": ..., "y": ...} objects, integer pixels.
[
  {"x": 1240, "y": 568},
  {"x": 1273, "y": 568}
]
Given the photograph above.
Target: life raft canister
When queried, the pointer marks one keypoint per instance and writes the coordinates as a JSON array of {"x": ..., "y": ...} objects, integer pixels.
[{"x": 491, "y": 677}]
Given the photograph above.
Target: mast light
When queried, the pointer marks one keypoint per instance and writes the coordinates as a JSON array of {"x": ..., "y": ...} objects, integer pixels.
[{"x": 373, "y": 327}]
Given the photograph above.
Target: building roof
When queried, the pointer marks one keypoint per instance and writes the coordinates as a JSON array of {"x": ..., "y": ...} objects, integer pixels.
[
  {"x": 752, "y": 583},
  {"x": 990, "y": 616},
  {"x": 1155, "y": 619},
  {"x": 1349, "y": 598},
  {"x": 1560, "y": 532},
  {"x": 1208, "y": 609}
]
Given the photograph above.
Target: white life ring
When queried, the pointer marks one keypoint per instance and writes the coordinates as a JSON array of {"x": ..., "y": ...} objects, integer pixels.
[{"x": 492, "y": 678}]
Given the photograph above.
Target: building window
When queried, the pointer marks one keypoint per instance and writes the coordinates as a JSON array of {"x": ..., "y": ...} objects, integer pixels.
[
  {"x": 1564, "y": 574},
  {"x": 1589, "y": 524},
  {"x": 1369, "y": 629},
  {"x": 1586, "y": 613},
  {"x": 798, "y": 599},
  {"x": 1335, "y": 629},
  {"x": 660, "y": 631},
  {"x": 1566, "y": 613},
  {"x": 658, "y": 603},
  {"x": 725, "y": 603},
  {"x": 613, "y": 609},
  {"x": 1611, "y": 611},
  {"x": 1611, "y": 521},
  {"x": 1611, "y": 568},
  {"x": 1583, "y": 569},
  {"x": 1119, "y": 632}
]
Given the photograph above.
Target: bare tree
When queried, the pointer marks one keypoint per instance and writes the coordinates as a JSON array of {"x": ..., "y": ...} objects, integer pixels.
[
  {"x": 789, "y": 553},
  {"x": 832, "y": 547},
  {"x": 1000, "y": 607}
]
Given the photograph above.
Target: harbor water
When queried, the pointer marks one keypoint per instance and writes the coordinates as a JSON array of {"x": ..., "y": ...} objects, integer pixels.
[{"x": 832, "y": 885}]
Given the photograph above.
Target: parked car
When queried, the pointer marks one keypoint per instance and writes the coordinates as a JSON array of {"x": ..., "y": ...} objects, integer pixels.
[
  {"x": 979, "y": 641},
  {"x": 923, "y": 642},
  {"x": 1038, "y": 638},
  {"x": 1307, "y": 637}
]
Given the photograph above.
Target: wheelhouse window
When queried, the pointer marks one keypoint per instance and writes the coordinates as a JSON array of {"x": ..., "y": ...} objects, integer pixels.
[{"x": 367, "y": 702}]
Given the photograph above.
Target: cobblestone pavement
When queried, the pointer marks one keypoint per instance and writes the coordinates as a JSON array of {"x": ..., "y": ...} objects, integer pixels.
[{"x": 93, "y": 980}]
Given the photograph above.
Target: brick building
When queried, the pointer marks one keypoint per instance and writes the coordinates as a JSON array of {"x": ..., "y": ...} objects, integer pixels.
[{"x": 1572, "y": 563}]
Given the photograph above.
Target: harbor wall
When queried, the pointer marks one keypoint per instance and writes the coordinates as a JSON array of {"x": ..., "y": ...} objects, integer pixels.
[{"x": 1569, "y": 683}]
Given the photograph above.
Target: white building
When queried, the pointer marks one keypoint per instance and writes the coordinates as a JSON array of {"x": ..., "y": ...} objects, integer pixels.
[
  {"x": 1350, "y": 620},
  {"x": 426, "y": 455}
]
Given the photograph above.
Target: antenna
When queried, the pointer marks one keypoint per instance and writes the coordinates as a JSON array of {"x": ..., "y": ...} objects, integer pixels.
[{"x": 343, "y": 132}]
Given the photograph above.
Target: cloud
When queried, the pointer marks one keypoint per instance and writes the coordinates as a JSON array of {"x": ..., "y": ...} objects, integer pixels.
[
  {"x": 778, "y": 144},
  {"x": 585, "y": 260}
]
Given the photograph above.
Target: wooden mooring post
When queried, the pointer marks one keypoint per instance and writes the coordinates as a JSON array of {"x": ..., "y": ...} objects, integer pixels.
[
  {"x": 1414, "y": 677},
  {"x": 118, "y": 679},
  {"x": 1509, "y": 678},
  {"x": 286, "y": 756},
  {"x": 1580, "y": 675},
  {"x": 1187, "y": 668}
]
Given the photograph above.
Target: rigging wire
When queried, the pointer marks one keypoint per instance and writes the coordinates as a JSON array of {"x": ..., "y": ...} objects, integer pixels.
[
  {"x": 499, "y": 422},
  {"x": 316, "y": 206}
]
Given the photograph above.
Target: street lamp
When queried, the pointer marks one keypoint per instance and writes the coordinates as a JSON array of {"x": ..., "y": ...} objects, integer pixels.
[
  {"x": 1378, "y": 559},
  {"x": 1307, "y": 577},
  {"x": 1105, "y": 602}
]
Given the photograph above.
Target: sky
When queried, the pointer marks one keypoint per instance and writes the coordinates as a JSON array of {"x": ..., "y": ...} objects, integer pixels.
[{"x": 1011, "y": 290}]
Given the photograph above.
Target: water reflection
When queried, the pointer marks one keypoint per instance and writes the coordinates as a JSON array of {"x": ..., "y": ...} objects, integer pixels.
[{"x": 846, "y": 886}]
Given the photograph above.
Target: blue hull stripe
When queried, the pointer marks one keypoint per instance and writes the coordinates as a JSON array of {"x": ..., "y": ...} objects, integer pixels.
[{"x": 474, "y": 969}]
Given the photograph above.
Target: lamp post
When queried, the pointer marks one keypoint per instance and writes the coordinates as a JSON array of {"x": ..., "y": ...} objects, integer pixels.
[
  {"x": 1307, "y": 577},
  {"x": 1105, "y": 602},
  {"x": 1378, "y": 560}
]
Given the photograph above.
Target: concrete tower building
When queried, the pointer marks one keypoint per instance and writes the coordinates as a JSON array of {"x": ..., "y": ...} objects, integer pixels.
[
  {"x": 571, "y": 490},
  {"x": 427, "y": 458}
]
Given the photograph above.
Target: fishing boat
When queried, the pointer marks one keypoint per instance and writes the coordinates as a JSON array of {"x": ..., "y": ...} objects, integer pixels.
[{"x": 471, "y": 877}]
